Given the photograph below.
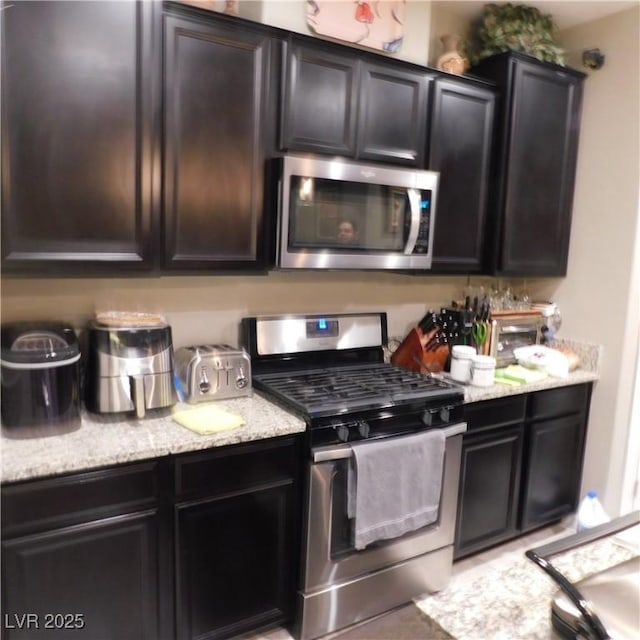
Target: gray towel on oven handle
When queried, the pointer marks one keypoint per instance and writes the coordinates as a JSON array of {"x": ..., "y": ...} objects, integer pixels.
[{"x": 394, "y": 485}]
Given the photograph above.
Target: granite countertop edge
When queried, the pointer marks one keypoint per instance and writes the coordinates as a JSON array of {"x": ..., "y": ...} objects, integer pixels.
[
  {"x": 498, "y": 390},
  {"x": 104, "y": 441}
]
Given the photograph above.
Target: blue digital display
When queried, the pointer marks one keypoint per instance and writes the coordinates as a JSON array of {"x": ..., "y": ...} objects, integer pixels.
[
  {"x": 424, "y": 204},
  {"x": 322, "y": 328}
]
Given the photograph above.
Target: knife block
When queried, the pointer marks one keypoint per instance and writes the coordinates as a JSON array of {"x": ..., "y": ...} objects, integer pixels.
[
  {"x": 409, "y": 354},
  {"x": 412, "y": 354}
]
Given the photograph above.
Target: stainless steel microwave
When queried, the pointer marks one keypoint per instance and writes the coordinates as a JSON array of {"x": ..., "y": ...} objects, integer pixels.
[{"x": 339, "y": 214}]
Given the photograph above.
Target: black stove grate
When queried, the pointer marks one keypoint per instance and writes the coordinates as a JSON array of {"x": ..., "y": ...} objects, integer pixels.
[{"x": 337, "y": 390}]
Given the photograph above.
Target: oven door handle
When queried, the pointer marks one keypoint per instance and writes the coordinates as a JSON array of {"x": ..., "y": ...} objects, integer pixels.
[{"x": 344, "y": 451}]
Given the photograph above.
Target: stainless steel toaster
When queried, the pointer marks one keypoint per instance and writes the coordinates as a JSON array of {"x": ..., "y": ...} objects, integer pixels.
[{"x": 213, "y": 372}]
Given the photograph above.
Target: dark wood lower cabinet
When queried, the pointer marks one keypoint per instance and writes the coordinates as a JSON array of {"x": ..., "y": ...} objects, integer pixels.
[
  {"x": 236, "y": 530},
  {"x": 488, "y": 496},
  {"x": 85, "y": 556},
  {"x": 521, "y": 465},
  {"x": 233, "y": 567},
  {"x": 198, "y": 546},
  {"x": 97, "y": 580},
  {"x": 554, "y": 470}
]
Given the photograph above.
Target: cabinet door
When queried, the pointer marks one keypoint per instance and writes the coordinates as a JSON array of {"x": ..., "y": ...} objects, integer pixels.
[
  {"x": 392, "y": 119},
  {"x": 320, "y": 101},
  {"x": 462, "y": 124},
  {"x": 99, "y": 580},
  {"x": 540, "y": 170},
  {"x": 77, "y": 136},
  {"x": 488, "y": 497},
  {"x": 234, "y": 559},
  {"x": 215, "y": 99},
  {"x": 553, "y": 471}
]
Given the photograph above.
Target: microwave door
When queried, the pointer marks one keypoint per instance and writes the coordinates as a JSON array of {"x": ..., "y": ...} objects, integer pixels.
[{"x": 414, "y": 221}]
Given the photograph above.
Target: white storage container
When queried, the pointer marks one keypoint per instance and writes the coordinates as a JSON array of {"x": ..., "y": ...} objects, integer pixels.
[
  {"x": 461, "y": 357},
  {"x": 483, "y": 371}
]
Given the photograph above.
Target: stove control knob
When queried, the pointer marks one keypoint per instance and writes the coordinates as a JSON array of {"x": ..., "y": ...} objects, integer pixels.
[
  {"x": 363, "y": 428},
  {"x": 428, "y": 417},
  {"x": 445, "y": 414},
  {"x": 342, "y": 431}
]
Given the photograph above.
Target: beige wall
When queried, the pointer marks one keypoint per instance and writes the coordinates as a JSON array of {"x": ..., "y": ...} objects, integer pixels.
[
  {"x": 208, "y": 308},
  {"x": 600, "y": 296}
]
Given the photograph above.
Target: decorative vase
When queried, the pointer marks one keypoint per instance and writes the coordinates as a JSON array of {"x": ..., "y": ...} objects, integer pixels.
[{"x": 452, "y": 61}]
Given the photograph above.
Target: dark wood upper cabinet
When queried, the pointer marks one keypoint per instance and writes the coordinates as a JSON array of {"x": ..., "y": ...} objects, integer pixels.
[
  {"x": 392, "y": 125},
  {"x": 462, "y": 129},
  {"x": 135, "y": 138},
  {"x": 216, "y": 95},
  {"x": 320, "y": 101},
  {"x": 536, "y": 152},
  {"x": 77, "y": 136},
  {"x": 342, "y": 101}
]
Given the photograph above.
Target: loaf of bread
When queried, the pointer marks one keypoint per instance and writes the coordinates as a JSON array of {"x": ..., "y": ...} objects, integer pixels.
[
  {"x": 572, "y": 357},
  {"x": 129, "y": 319}
]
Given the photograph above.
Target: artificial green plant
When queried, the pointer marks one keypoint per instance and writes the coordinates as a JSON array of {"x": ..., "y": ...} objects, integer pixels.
[{"x": 516, "y": 27}]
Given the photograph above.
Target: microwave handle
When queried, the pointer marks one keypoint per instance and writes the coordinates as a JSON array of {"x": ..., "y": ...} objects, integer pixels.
[{"x": 414, "y": 227}]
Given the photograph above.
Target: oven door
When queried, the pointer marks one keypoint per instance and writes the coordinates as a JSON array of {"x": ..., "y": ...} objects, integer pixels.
[
  {"x": 335, "y": 214},
  {"x": 330, "y": 557}
]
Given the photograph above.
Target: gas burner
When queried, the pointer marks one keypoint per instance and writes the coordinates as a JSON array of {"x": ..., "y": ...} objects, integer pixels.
[{"x": 338, "y": 390}]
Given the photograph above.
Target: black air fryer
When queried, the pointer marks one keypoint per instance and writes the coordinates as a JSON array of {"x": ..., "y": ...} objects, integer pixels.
[{"x": 40, "y": 379}]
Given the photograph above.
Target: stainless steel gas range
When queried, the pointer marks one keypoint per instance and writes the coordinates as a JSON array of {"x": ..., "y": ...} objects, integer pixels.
[{"x": 330, "y": 370}]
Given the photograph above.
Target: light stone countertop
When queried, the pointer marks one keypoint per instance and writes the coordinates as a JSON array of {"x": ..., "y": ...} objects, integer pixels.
[
  {"x": 477, "y": 394},
  {"x": 590, "y": 356},
  {"x": 509, "y": 598},
  {"x": 108, "y": 440},
  {"x": 104, "y": 440}
]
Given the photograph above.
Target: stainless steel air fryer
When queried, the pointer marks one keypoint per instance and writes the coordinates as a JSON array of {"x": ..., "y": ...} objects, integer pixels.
[
  {"x": 130, "y": 368},
  {"x": 40, "y": 379}
]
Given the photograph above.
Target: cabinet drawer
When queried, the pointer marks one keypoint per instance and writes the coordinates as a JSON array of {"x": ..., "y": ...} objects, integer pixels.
[
  {"x": 79, "y": 497},
  {"x": 557, "y": 402},
  {"x": 234, "y": 468},
  {"x": 494, "y": 413}
]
